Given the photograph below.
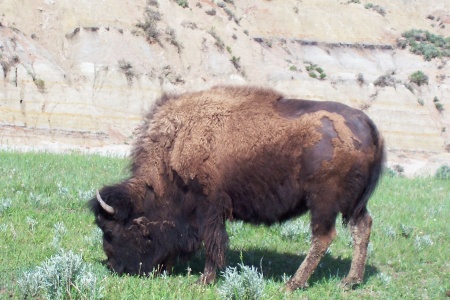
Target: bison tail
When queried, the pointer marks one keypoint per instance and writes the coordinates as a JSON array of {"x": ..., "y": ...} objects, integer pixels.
[{"x": 376, "y": 170}]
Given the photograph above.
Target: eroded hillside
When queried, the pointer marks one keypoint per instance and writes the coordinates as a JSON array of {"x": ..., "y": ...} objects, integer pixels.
[{"x": 81, "y": 74}]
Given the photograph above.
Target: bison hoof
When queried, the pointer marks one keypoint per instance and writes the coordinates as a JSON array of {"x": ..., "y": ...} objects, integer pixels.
[
  {"x": 349, "y": 283},
  {"x": 206, "y": 279},
  {"x": 291, "y": 286}
]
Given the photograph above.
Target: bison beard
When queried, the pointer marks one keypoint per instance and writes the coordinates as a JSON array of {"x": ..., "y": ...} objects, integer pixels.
[{"x": 240, "y": 153}]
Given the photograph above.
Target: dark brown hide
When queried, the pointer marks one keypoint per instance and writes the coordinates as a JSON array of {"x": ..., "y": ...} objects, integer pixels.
[{"x": 244, "y": 153}]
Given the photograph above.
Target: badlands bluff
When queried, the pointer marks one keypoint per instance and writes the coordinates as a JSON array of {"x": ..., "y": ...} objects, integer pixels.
[{"x": 80, "y": 74}]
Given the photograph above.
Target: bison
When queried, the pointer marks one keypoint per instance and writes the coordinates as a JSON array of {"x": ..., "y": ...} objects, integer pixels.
[{"x": 244, "y": 153}]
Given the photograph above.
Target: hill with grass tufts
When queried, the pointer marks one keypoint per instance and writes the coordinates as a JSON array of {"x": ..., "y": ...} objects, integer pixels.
[{"x": 80, "y": 75}]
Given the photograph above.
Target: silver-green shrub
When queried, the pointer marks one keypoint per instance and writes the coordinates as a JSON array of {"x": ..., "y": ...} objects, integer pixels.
[
  {"x": 4, "y": 205},
  {"x": 443, "y": 172},
  {"x": 294, "y": 229},
  {"x": 63, "y": 276},
  {"x": 246, "y": 284}
]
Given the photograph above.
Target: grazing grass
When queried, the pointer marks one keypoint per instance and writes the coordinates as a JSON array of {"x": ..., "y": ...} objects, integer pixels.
[{"x": 44, "y": 223}]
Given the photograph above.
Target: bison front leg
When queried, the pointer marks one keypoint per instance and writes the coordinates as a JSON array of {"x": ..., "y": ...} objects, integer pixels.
[
  {"x": 319, "y": 244},
  {"x": 361, "y": 234},
  {"x": 215, "y": 238}
]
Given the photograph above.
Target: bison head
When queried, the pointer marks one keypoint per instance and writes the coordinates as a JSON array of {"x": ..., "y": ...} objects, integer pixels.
[{"x": 132, "y": 243}]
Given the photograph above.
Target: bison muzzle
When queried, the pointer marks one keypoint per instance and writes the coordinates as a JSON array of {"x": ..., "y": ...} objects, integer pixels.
[{"x": 242, "y": 153}]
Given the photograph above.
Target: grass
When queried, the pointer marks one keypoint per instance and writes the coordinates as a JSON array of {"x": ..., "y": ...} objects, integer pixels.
[{"x": 42, "y": 210}]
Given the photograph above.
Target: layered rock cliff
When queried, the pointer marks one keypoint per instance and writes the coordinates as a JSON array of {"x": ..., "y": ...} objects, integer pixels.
[{"x": 82, "y": 74}]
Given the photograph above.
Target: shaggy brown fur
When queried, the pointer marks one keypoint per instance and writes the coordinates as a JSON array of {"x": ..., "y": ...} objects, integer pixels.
[{"x": 246, "y": 153}]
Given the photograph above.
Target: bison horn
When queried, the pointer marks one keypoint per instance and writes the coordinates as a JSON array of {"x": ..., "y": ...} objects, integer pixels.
[{"x": 109, "y": 209}]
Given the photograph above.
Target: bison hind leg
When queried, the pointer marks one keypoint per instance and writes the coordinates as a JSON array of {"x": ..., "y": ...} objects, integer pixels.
[
  {"x": 323, "y": 234},
  {"x": 360, "y": 230}
]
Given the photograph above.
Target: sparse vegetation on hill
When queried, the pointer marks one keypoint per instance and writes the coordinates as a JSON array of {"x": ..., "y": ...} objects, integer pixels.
[
  {"x": 219, "y": 43},
  {"x": 419, "y": 78},
  {"x": 76, "y": 52},
  {"x": 385, "y": 80},
  {"x": 127, "y": 69},
  {"x": 439, "y": 106},
  {"x": 315, "y": 71},
  {"x": 182, "y": 3},
  {"x": 149, "y": 25},
  {"x": 376, "y": 8},
  {"x": 425, "y": 43}
]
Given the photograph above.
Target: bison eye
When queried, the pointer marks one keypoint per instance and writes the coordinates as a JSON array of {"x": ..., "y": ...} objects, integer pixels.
[{"x": 108, "y": 235}]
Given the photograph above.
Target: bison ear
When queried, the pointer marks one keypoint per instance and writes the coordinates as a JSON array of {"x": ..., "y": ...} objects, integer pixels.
[{"x": 142, "y": 224}]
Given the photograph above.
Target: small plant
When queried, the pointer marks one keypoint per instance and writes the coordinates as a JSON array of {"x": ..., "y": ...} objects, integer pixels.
[
  {"x": 231, "y": 15},
  {"x": 246, "y": 284},
  {"x": 5, "y": 204},
  {"x": 379, "y": 10},
  {"x": 398, "y": 168},
  {"x": 406, "y": 230},
  {"x": 409, "y": 87},
  {"x": 59, "y": 230},
  {"x": 443, "y": 172},
  {"x": 384, "y": 278},
  {"x": 354, "y": 1},
  {"x": 237, "y": 65},
  {"x": 182, "y": 3},
  {"x": 94, "y": 238},
  {"x": 439, "y": 106},
  {"x": 235, "y": 227},
  {"x": 421, "y": 101},
  {"x": 389, "y": 172},
  {"x": 360, "y": 79},
  {"x": 127, "y": 69},
  {"x": 40, "y": 84},
  {"x": 312, "y": 74},
  {"x": 385, "y": 80},
  {"x": 5, "y": 66},
  {"x": 390, "y": 232},
  {"x": 293, "y": 68},
  {"x": 376, "y": 8},
  {"x": 63, "y": 276},
  {"x": 422, "y": 241},
  {"x": 314, "y": 71},
  {"x": 292, "y": 230},
  {"x": 219, "y": 43},
  {"x": 395, "y": 170},
  {"x": 418, "y": 78},
  {"x": 211, "y": 12},
  {"x": 31, "y": 223},
  {"x": 268, "y": 42},
  {"x": 172, "y": 38},
  {"x": 149, "y": 26}
]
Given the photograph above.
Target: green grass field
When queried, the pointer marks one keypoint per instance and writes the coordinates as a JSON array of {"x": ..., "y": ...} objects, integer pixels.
[{"x": 43, "y": 210}]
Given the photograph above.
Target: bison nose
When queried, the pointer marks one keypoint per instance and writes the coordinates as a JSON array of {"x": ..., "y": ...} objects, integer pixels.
[{"x": 114, "y": 266}]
